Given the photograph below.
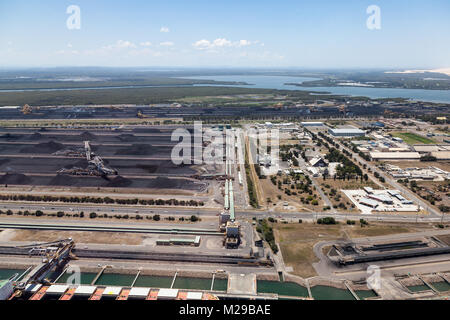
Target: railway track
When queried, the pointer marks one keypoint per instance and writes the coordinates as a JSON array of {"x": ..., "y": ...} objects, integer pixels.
[{"x": 111, "y": 229}]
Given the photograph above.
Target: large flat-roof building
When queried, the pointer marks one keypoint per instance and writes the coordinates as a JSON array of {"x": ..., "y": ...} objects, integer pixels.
[
  {"x": 347, "y": 132},
  {"x": 395, "y": 156},
  {"x": 441, "y": 155},
  {"x": 312, "y": 124}
]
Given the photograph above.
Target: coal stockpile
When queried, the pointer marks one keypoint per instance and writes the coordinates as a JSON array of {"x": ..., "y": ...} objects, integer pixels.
[
  {"x": 95, "y": 138},
  {"x": 63, "y": 180},
  {"x": 137, "y": 149},
  {"x": 9, "y": 137},
  {"x": 166, "y": 183},
  {"x": 47, "y": 165},
  {"x": 119, "y": 182},
  {"x": 100, "y": 182},
  {"x": 160, "y": 167},
  {"x": 15, "y": 178},
  {"x": 48, "y": 147},
  {"x": 141, "y": 156},
  {"x": 87, "y": 136},
  {"x": 188, "y": 113}
]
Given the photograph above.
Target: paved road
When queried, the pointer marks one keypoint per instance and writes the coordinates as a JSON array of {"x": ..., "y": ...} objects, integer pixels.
[{"x": 327, "y": 201}]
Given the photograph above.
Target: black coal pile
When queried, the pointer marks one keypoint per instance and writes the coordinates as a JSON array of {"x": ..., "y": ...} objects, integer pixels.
[
  {"x": 87, "y": 136},
  {"x": 119, "y": 182},
  {"x": 9, "y": 136},
  {"x": 136, "y": 150},
  {"x": 35, "y": 136},
  {"x": 47, "y": 147},
  {"x": 164, "y": 183},
  {"x": 63, "y": 180},
  {"x": 3, "y": 161},
  {"x": 82, "y": 163},
  {"x": 148, "y": 168},
  {"x": 126, "y": 137},
  {"x": 15, "y": 178}
]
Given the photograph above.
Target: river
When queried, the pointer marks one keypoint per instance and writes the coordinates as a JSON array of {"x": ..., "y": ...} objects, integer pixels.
[{"x": 279, "y": 83}]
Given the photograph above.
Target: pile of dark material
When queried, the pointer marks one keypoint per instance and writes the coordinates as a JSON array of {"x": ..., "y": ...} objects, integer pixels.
[
  {"x": 9, "y": 136},
  {"x": 15, "y": 178},
  {"x": 87, "y": 136},
  {"x": 136, "y": 149},
  {"x": 35, "y": 136},
  {"x": 63, "y": 180},
  {"x": 119, "y": 182},
  {"x": 3, "y": 161},
  {"x": 46, "y": 147},
  {"x": 82, "y": 163},
  {"x": 127, "y": 137}
]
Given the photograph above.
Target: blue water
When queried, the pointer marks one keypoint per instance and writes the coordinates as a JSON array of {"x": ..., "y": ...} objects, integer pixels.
[{"x": 278, "y": 82}]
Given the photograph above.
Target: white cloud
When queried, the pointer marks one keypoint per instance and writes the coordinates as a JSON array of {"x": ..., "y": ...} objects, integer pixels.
[
  {"x": 67, "y": 52},
  {"x": 202, "y": 44},
  {"x": 222, "y": 43},
  {"x": 167, "y": 44},
  {"x": 121, "y": 44},
  {"x": 146, "y": 44},
  {"x": 164, "y": 29}
]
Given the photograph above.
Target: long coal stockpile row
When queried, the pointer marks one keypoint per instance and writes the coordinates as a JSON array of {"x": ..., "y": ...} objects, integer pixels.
[
  {"x": 125, "y": 167},
  {"x": 160, "y": 182},
  {"x": 186, "y": 112}
]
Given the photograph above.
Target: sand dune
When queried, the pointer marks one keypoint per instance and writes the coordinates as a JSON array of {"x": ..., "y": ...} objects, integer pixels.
[{"x": 441, "y": 70}]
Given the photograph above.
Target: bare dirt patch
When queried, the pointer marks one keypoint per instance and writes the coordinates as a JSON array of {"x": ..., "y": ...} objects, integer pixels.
[{"x": 78, "y": 237}]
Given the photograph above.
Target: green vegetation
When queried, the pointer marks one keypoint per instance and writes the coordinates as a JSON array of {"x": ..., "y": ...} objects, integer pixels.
[
  {"x": 250, "y": 184},
  {"x": 412, "y": 138},
  {"x": 267, "y": 234},
  {"x": 106, "y": 200},
  {"x": 138, "y": 96},
  {"x": 327, "y": 221}
]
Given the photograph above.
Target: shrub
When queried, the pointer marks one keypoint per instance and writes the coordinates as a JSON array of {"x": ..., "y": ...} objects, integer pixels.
[{"x": 327, "y": 221}]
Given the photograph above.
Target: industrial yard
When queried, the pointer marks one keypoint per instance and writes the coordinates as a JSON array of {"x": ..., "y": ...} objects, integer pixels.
[{"x": 134, "y": 158}]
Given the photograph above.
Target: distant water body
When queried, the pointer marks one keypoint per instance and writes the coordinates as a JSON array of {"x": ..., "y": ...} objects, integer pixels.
[{"x": 279, "y": 83}]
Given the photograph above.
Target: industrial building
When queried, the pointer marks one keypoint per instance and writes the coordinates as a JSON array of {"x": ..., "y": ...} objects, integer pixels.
[
  {"x": 351, "y": 253},
  {"x": 395, "y": 156},
  {"x": 312, "y": 124},
  {"x": 370, "y": 200},
  {"x": 179, "y": 242},
  {"x": 350, "y": 132},
  {"x": 441, "y": 155}
]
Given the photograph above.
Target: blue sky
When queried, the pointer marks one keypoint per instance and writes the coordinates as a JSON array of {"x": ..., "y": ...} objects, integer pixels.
[{"x": 245, "y": 33}]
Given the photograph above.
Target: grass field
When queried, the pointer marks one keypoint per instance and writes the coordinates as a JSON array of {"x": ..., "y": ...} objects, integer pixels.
[{"x": 412, "y": 138}]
